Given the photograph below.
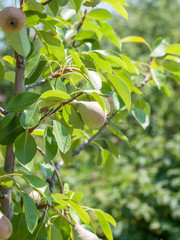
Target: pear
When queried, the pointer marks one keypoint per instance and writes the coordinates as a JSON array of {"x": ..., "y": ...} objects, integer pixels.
[
  {"x": 5, "y": 227},
  {"x": 92, "y": 3},
  {"x": 12, "y": 19},
  {"x": 36, "y": 196},
  {"x": 91, "y": 113},
  {"x": 111, "y": 104},
  {"x": 84, "y": 234}
]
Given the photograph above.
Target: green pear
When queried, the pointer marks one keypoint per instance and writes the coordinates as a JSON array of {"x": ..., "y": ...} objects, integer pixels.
[
  {"x": 12, "y": 19},
  {"x": 5, "y": 227},
  {"x": 111, "y": 104},
  {"x": 36, "y": 196},
  {"x": 91, "y": 113}
]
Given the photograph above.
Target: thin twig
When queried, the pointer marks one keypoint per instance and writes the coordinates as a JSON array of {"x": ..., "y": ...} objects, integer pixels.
[
  {"x": 56, "y": 74},
  {"x": 85, "y": 145},
  {"x": 55, "y": 170},
  {"x": 46, "y": 2},
  {"x": 39, "y": 83},
  {"x": 58, "y": 177},
  {"x": 147, "y": 74},
  {"x": 79, "y": 27},
  {"x": 52, "y": 112},
  {"x": 47, "y": 205},
  {"x": 3, "y": 111}
]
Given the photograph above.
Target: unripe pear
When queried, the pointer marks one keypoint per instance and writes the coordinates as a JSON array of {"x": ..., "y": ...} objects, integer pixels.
[
  {"x": 91, "y": 113},
  {"x": 35, "y": 195},
  {"x": 111, "y": 104},
  {"x": 12, "y": 19},
  {"x": 92, "y": 3},
  {"x": 84, "y": 234},
  {"x": 5, "y": 227}
]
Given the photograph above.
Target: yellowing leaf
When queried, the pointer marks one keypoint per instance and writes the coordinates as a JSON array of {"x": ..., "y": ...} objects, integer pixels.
[{"x": 135, "y": 39}]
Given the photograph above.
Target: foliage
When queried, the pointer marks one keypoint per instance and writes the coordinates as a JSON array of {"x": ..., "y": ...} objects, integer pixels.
[{"x": 65, "y": 61}]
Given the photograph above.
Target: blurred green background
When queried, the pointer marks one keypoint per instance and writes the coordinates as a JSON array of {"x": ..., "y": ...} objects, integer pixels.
[{"x": 142, "y": 191}]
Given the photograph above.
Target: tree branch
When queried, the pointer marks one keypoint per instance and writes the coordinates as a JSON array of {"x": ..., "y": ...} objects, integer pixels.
[
  {"x": 147, "y": 74},
  {"x": 46, "y": 2},
  {"x": 52, "y": 112},
  {"x": 55, "y": 171},
  {"x": 39, "y": 83},
  {"x": 56, "y": 74},
  {"x": 6, "y": 201},
  {"x": 58, "y": 177},
  {"x": 85, "y": 145},
  {"x": 3, "y": 111},
  {"x": 79, "y": 27},
  {"x": 47, "y": 205},
  {"x": 10, "y": 157}
]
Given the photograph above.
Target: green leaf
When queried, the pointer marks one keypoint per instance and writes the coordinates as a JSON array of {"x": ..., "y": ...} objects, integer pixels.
[
  {"x": 10, "y": 76},
  {"x": 76, "y": 4},
  {"x": 58, "y": 85},
  {"x": 117, "y": 5},
  {"x": 50, "y": 145},
  {"x": 54, "y": 233},
  {"x": 32, "y": 6},
  {"x": 66, "y": 157},
  {"x": 172, "y": 66},
  {"x": 31, "y": 116},
  {"x": 158, "y": 48},
  {"x": 80, "y": 212},
  {"x": 118, "y": 133},
  {"x": 31, "y": 213},
  {"x": 99, "y": 14},
  {"x": 25, "y": 148},
  {"x": 108, "y": 161},
  {"x": 109, "y": 218},
  {"x": 6, "y": 120},
  {"x": 40, "y": 233},
  {"x": 1, "y": 72},
  {"x": 36, "y": 71},
  {"x": 76, "y": 197},
  {"x": 112, "y": 147},
  {"x": 108, "y": 31},
  {"x": 46, "y": 169},
  {"x": 55, "y": 95},
  {"x": 104, "y": 224},
  {"x": 130, "y": 66},
  {"x": 158, "y": 77},
  {"x": 125, "y": 77},
  {"x": 72, "y": 117},
  {"x": 173, "y": 49},
  {"x": 5, "y": 181},
  {"x": 9, "y": 133},
  {"x": 52, "y": 43},
  {"x": 76, "y": 59},
  {"x": 122, "y": 89},
  {"x": 61, "y": 199},
  {"x": 100, "y": 62},
  {"x": 20, "y": 42},
  {"x": 22, "y": 101},
  {"x": 95, "y": 79},
  {"x": 67, "y": 13},
  {"x": 62, "y": 136},
  {"x": 141, "y": 117},
  {"x": 84, "y": 35},
  {"x": 20, "y": 226}
]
